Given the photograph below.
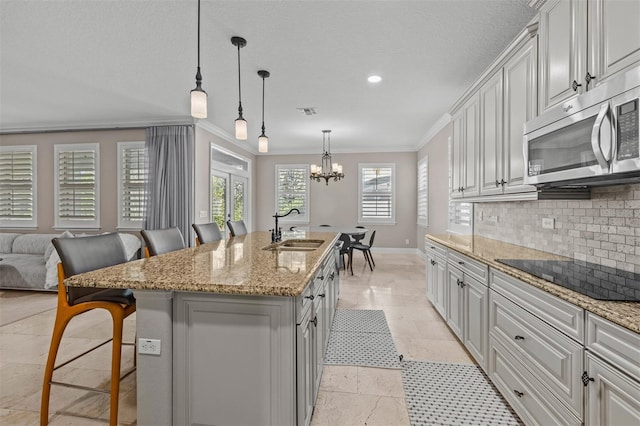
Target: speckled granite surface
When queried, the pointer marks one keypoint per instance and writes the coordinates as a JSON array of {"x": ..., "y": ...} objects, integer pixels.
[
  {"x": 486, "y": 250},
  {"x": 234, "y": 266}
]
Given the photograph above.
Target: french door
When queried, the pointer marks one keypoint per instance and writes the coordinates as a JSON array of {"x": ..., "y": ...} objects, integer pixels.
[{"x": 229, "y": 188}]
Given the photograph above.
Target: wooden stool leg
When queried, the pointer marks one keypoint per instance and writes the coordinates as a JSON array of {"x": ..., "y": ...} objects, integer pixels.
[
  {"x": 58, "y": 329},
  {"x": 116, "y": 353}
]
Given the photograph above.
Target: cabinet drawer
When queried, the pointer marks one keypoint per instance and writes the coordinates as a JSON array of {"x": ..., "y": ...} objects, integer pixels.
[
  {"x": 547, "y": 353},
  {"x": 304, "y": 302},
  {"x": 521, "y": 389},
  {"x": 469, "y": 266},
  {"x": 562, "y": 315},
  {"x": 434, "y": 247},
  {"x": 619, "y": 346}
]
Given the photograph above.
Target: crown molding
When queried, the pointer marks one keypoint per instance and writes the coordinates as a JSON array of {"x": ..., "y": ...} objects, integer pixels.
[
  {"x": 94, "y": 126},
  {"x": 434, "y": 130}
]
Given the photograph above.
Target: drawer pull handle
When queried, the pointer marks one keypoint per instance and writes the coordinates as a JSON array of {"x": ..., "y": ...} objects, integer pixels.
[
  {"x": 315, "y": 321},
  {"x": 518, "y": 393},
  {"x": 310, "y": 297},
  {"x": 519, "y": 338},
  {"x": 462, "y": 284},
  {"x": 461, "y": 263},
  {"x": 331, "y": 276},
  {"x": 433, "y": 247},
  {"x": 433, "y": 262},
  {"x": 321, "y": 295},
  {"x": 321, "y": 277}
]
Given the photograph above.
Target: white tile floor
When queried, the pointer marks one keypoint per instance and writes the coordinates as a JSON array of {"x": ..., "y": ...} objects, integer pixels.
[{"x": 348, "y": 395}]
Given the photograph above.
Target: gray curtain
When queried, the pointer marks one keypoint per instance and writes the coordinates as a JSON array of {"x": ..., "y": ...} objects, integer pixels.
[{"x": 169, "y": 192}]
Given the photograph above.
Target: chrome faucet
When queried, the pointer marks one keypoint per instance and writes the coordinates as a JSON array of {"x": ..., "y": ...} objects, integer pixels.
[{"x": 276, "y": 233}]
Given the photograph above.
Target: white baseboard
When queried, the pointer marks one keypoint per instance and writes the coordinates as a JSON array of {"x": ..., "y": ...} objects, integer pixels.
[{"x": 392, "y": 250}]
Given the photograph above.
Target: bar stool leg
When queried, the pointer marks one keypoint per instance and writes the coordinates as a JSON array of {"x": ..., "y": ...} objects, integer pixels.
[
  {"x": 116, "y": 354},
  {"x": 58, "y": 329}
]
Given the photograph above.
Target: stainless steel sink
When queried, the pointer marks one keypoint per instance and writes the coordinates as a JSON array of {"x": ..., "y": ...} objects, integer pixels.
[{"x": 295, "y": 245}]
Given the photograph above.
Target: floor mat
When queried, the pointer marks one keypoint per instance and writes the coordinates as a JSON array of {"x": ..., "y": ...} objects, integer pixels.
[
  {"x": 452, "y": 394},
  {"x": 361, "y": 337}
]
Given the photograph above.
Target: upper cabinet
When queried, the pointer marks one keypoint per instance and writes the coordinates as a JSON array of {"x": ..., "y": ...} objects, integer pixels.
[
  {"x": 464, "y": 164},
  {"x": 583, "y": 43}
]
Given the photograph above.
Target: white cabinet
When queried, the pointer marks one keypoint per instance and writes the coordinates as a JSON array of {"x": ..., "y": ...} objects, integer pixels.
[
  {"x": 491, "y": 150},
  {"x": 464, "y": 150},
  {"x": 467, "y": 304},
  {"x": 436, "y": 267},
  {"x": 613, "y": 398},
  {"x": 305, "y": 370},
  {"x": 583, "y": 44},
  {"x": 520, "y": 106}
]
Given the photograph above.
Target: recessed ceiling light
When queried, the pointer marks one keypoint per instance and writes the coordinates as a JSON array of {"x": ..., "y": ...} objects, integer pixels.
[{"x": 374, "y": 79}]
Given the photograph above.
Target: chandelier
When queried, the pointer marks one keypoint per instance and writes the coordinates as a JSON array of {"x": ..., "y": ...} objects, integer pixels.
[{"x": 327, "y": 170}]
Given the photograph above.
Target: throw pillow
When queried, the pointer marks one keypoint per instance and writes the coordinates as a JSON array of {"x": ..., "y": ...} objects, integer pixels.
[{"x": 51, "y": 279}]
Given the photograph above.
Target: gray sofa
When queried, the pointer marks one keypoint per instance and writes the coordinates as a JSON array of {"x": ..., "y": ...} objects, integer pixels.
[{"x": 29, "y": 261}]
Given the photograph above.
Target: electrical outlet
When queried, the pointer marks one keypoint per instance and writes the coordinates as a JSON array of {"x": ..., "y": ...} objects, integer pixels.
[
  {"x": 149, "y": 346},
  {"x": 203, "y": 214},
  {"x": 492, "y": 219},
  {"x": 548, "y": 223},
  {"x": 406, "y": 241}
]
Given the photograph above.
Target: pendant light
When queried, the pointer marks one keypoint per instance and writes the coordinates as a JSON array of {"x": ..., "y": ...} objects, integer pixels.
[
  {"x": 241, "y": 123},
  {"x": 263, "y": 140},
  {"x": 198, "y": 95}
]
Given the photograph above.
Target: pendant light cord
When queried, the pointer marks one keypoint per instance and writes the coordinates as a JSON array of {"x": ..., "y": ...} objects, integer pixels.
[
  {"x": 198, "y": 34},
  {"x": 239, "y": 85},
  {"x": 263, "y": 105}
]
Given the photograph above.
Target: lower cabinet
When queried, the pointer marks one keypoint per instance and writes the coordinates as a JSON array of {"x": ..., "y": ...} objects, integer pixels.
[
  {"x": 313, "y": 336},
  {"x": 467, "y": 311},
  {"x": 613, "y": 398},
  {"x": 436, "y": 268}
]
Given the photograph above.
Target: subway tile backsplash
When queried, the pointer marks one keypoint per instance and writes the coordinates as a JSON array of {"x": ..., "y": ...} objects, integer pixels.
[{"x": 603, "y": 230}]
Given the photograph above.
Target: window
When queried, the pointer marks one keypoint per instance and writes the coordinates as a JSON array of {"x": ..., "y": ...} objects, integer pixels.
[
  {"x": 18, "y": 186},
  {"x": 77, "y": 190},
  {"x": 460, "y": 217},
  {"x": 292, "y": 183},
  {"x": 423, "y": 194},
  {"x": 132, "y": 177},
  {"x": 376, "y": 190}
]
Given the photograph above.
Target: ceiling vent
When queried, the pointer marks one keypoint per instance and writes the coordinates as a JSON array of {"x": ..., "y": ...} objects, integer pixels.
[{"x": 307, "y": 110}]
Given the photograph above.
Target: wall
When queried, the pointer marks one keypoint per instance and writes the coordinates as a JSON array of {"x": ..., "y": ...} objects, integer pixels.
[
  {"x": 108, "y": 140},
  {"x": 337, "y": 203},
  {"x": 604, "y": 230},
  {"x": 438, "y": 186}
]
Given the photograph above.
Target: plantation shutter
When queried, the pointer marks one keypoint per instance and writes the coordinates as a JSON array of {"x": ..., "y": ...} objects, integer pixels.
[
  {"x": 77, "y": 185},
  {"x": 134, "y": 177},
  {"x": 17, "y": 184},
  {"x": 423, "y": 196},
  {"x": 377, "y": 193},
  {"x": 292, "y": 183}
]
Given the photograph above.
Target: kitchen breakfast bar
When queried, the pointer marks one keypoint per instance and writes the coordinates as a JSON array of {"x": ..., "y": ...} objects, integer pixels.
[{"x": 241, "y": 327}]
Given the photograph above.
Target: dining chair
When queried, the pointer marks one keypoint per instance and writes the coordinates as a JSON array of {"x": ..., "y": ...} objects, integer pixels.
[
  {"x": 236, "y": 227},
  {"x": 346, "y": 249},
  {"x": 207, "y": 233},
  {"x": 366, "y": 250},
  {"x": 79, "y": 255},
  {"x": 159, "y": 241}
]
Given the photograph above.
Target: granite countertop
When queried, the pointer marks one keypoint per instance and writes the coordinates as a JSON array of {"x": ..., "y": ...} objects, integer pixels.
[
  {"x": 486, "y": 250},
  {"x": 237, "y": 265}
]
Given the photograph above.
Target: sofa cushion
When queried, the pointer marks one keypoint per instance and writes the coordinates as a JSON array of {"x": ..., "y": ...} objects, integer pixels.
[
  {"x": 22, "y": 271},
  {"x": 6, "y": 241},
  {"x": 32, "y": 243}
]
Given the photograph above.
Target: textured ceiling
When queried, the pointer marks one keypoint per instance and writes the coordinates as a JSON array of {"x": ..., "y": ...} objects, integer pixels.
[{"x": 97, "y": 63}]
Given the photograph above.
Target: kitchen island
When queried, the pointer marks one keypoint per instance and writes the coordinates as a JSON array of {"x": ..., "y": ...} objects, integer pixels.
[{"x": 240, "y": 325}]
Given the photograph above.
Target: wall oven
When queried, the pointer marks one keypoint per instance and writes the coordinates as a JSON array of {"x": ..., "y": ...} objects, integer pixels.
[{"x": 589, "y": 141}]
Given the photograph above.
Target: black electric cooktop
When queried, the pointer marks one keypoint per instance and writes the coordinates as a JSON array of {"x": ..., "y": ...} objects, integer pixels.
[{"x": 596, "y": 281}]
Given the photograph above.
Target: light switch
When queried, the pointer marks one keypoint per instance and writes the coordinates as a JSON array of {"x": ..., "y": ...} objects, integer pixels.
[{"x": 203, "y": 214}]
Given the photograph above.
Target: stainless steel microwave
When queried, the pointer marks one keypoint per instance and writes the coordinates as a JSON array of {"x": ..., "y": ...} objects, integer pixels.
[{"x": 591, "y": 140}]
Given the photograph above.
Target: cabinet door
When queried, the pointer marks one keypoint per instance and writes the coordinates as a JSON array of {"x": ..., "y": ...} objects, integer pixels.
[
  {"x": 520, "y": 105},
  {"x": 614, "y": 37},
  {"x": 470, "y": 160},
  {"x": 612, "y": 396},
  {"x": 562, "y": 50},
  {"x": 456, "y": 161},
  {"x": 476, "y": 328},
  {"x": 491, "y": 136},
  {"x": 431, "y": 278},
  {"x": 305, "y": 370},
  {"x": 455, "y": 311},
  {"x": 441, "y": 286}
]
